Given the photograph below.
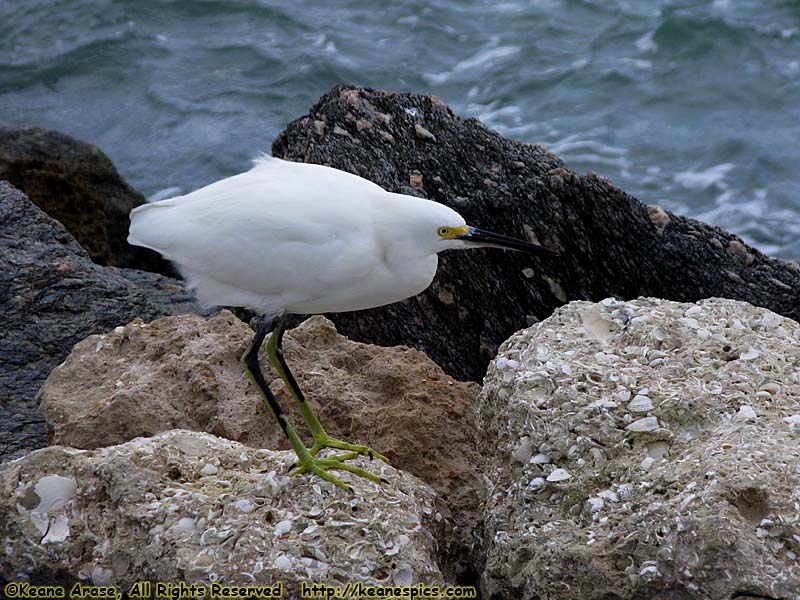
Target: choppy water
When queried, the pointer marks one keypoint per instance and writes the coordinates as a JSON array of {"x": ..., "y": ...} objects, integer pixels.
[{"x": 692, "y": 105}]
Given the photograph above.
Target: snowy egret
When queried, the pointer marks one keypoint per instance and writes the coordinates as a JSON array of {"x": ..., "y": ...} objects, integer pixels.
[{"x": 295, "y": 238}]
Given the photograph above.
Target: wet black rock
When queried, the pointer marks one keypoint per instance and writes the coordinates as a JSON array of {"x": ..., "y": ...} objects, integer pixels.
[
  {"x": 52, "y": 296},
  {"x": 76, "y": 184},
  {"x": 611, "y": 244}
]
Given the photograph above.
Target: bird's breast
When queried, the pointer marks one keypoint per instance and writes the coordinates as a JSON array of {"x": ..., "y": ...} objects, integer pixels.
[
  {"x": 413, "y": 276},
  {"x": 388, "y": 282}
]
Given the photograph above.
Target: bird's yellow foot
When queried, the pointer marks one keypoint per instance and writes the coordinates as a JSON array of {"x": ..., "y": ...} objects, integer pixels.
[
  {"x": 352, "y": 449},
  {"x": 321, "y": 466}
]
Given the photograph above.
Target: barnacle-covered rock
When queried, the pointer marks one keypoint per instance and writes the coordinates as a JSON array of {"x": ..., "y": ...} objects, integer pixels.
[
  {"x": 665, "y": 454},
  {"x": 184, "y": 372},
  {"x": 190, "y": 507}
]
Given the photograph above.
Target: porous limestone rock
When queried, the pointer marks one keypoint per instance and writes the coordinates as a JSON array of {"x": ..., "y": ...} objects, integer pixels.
[
  {"x": 184, "y": 371},
  {"x": 665, "y": 454},
  {"x": 190, "y": 507}
]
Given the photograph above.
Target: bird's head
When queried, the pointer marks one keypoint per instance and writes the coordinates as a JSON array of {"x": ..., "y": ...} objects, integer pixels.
[
  {"x": 465, "y": 237},
  {"x": 453, "y": 233},
  {"x": 429, "y": 228}
]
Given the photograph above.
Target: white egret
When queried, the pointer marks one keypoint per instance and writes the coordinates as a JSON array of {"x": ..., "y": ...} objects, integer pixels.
[{"x": 294, "y": 238}]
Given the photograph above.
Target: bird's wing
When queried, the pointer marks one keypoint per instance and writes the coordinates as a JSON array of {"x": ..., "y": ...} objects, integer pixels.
[{"x": 282, "y": 229}]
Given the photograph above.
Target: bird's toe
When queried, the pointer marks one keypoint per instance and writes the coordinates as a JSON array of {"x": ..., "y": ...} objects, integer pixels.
[
  {"x": 352, "y": 449},
  {"x": 322, "y": 467}
]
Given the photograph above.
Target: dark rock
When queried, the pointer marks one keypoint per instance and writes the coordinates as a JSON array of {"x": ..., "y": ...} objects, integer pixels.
[
  {"x": 611, "y": 244},
  {"x": 76, "y": 184},
  {"x": 52, "y": 296}
]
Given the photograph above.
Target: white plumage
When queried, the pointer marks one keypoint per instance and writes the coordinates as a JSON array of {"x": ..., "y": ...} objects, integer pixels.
[{"x": 299, "y": 238}]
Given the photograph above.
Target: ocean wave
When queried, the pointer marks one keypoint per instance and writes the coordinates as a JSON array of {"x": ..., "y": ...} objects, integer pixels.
[
  {"x": 704, "y": 179},
  {"x": 571, "y": 144},
  {"x": 484, "y": 57},
  {"x": 663, "y": 96},
  {"x": 758, "y": 220}
]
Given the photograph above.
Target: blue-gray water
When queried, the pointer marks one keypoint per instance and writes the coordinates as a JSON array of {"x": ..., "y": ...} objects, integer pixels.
[{"x": 692, "y": 105}]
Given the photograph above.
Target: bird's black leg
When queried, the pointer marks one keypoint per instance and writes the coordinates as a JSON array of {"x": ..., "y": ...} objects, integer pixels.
[
  {"x": 274, "y": 349},
  {"x": 306, "y": 463},
  {"x": 249, "y": 361}
]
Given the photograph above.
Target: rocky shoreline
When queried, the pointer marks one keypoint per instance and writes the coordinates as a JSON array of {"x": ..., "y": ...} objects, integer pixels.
[{"x": 638, "y": 447}]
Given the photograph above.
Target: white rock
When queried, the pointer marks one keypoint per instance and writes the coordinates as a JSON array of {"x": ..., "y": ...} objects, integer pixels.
[
  {"x": 57, "y": 530},
  {"x": 771, "y": 388}
]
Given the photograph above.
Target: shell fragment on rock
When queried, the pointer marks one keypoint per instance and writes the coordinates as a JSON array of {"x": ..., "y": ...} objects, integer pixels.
[
  {"x": 524, "y": 451},
  {"x": 623, "y": 395},
  {"x": 746, "y": 413},
  {"x": 750, "y": 354},
  {"x": 640, "y": 403},
  {"x": 643, "y": 425},
  {"x": 558, "y": 475},
  {"x": 793, "y": 421},
  {"x": 209, "y": 469},
  {"x": 540, "y": 459}
]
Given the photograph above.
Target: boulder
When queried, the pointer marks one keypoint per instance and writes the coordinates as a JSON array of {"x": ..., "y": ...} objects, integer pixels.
[
  {"x": 611, "y": 244},
  {"x": 183, "y": 371},
  {"x": 76, "y": 184},
  {"x": 645, "y": 450},
  {"x": 188, "y": 507},
  {"x": 51, "y": 296}
]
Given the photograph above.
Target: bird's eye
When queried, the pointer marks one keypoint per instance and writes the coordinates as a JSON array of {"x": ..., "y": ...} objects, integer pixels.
[{"x": 443, "y": 231}]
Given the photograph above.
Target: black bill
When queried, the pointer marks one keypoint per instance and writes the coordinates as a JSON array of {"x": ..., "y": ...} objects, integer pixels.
[{"x": 488, "y": 239}]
